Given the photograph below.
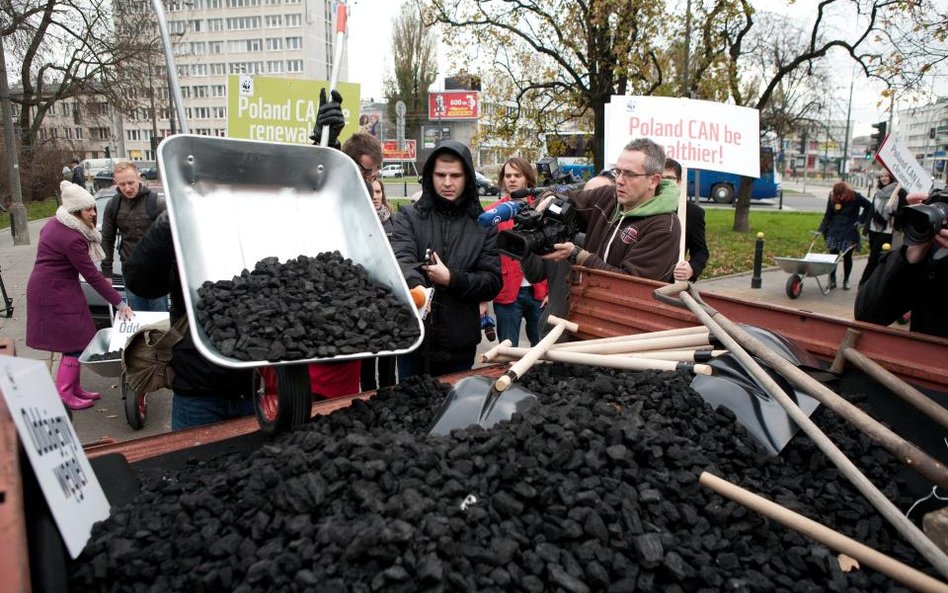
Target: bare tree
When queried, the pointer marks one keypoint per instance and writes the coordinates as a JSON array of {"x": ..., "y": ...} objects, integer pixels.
[
  {"x": 565, "y": 58},
  {"x": 414, "y": 56}
]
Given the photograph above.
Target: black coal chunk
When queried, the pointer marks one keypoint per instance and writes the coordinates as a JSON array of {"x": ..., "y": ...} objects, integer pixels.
[
  {"x": 306, "y": 307},
  {"x": 595, "y": 489}
]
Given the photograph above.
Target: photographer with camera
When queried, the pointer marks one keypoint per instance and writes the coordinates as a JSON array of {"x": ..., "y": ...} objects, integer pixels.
[
  {"x": 915, "y": 276},
  {"x": 631, "y": 227}
]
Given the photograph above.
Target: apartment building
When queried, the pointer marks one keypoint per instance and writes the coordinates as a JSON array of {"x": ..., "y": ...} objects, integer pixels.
[
  {"x": 213, "y": 39},
  {"x": 924, "y": 130}
]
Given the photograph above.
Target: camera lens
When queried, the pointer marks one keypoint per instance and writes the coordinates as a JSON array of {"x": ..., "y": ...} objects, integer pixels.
[{"x": 922, "y": 221}]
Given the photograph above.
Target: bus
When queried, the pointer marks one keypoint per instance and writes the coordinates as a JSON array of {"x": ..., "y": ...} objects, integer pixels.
[
  {"x": 573, "y": 152},
  {"x": 723, "y": 187}
]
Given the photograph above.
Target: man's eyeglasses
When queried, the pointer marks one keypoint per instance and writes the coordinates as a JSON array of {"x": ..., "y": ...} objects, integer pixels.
[
  {"x": 617, "y": 172},
  {"x": 670, "y": 178}
]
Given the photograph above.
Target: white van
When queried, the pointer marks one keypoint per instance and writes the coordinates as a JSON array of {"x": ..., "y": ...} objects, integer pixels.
[{"x": 92, "y": 166}]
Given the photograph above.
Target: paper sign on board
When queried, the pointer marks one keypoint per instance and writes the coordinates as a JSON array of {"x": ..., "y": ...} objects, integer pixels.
[{"x": 73, "y": 492}]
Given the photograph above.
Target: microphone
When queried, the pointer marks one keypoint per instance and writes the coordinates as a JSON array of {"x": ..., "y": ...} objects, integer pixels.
[{"x": 500, "y": 213}]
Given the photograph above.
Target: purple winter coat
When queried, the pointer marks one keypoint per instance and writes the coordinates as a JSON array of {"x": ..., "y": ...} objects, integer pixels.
[{"x": 57, "y": 314}]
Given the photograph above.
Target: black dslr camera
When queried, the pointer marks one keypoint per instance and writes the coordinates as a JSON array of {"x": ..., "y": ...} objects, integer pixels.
[
  {"x": 549, "y": 172},
  {"x": 537, "y": 232},
  {"x": 921, "y": 222}
]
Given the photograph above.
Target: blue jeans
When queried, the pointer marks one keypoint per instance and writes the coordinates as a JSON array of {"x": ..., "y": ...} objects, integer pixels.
[
  {"x": 508, "y": 317},
  {"x": 188, "y": 411},
  {"x": 138, "y": 303},
  {"x": 412, "y": 365}
]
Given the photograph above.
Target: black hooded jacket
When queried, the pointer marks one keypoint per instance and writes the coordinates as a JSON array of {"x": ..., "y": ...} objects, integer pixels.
[
  {"x": 151, "y": 271},
  {"x": 469, "y": 251}
]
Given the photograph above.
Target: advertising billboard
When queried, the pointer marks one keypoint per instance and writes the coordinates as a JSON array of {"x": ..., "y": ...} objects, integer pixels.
[
  {"x": 390, "y": 151},
  {"x": 281, "y": 109},
  {"x": 454, "y": 105},
  {"x": 431, "y": 135}
]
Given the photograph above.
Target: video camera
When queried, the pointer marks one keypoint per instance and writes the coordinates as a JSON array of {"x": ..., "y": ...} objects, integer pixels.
[
  {"x": 921, "y": 222},
  {"x": 537, "y": 231},
  {"x": 549, "y": 172}
]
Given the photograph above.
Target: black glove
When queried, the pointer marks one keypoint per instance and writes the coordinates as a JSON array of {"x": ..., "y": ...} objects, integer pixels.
[{"x": 329, "y": 114}]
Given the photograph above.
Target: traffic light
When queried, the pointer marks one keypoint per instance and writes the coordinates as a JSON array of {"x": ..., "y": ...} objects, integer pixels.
[
  {"x": 868, "y": 155},
  {"x": 878, "y": 137}
]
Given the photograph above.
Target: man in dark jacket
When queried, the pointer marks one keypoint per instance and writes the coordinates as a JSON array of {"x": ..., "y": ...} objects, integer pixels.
[
  {"x": 130, "y": 213},
  {"x": 911, "y": 278},
  {"x": 78, "y": 173},
  {"x": 464, "y": 265},
  {"x": 203, "y": 392},
  {"x": 695, "y": 243}
]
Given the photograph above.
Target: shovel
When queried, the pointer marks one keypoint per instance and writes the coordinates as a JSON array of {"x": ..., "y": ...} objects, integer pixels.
[{"x": 478, "y": 400}]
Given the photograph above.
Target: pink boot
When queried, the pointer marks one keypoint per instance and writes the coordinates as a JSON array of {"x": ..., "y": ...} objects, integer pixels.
[
  {"x": 67, "y": 377},
  {"x": 78, "y": 391}
]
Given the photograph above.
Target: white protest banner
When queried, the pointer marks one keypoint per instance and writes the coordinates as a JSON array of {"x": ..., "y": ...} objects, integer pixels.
[
  {"x": 75, "y": 497},
  {"x": 697, "y": 134},
  {"x": 899, "y": 160},
  {"x": 123, "y": 330}
]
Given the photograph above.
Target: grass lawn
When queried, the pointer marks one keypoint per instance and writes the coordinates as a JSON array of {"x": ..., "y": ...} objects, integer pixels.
[
  {"x": 34, "y": 210},
  {"x": 786, "y": 234}
]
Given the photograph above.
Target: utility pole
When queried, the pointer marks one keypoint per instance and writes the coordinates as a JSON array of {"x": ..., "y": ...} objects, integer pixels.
[
  {"x": 18, "y": 219},
  {"x": 844, "y": 172},
  {"x": 684, "y": 67}
]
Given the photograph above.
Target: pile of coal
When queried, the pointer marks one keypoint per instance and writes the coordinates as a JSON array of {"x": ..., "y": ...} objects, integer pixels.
[
  {"x": 110, "y": 355},
  {"x": 307, "y": 307},
  {"x": 593, "y": 490}
]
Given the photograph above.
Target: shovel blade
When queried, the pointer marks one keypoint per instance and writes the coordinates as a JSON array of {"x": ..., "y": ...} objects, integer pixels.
[{"x": 473, "y": 400}]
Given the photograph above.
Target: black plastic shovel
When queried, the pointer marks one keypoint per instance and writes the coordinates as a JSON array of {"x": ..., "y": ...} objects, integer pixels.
[{"x": 478, "y": 400}]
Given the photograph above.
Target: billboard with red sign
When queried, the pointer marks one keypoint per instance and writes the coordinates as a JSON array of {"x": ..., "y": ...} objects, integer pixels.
[
  {"x": 454, "y": 105},
  {"x": 390, "y": 151}
]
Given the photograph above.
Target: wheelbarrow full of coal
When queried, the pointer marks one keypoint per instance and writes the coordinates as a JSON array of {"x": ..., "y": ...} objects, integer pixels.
[{"x": 240, "y": 209}]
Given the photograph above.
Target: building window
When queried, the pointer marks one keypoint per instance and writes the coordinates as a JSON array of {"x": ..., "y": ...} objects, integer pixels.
[
  {"x": 186, "y": 92},
  {"x": 218, "y": 69},
  {"x": 215, "y": 25},
  {"x": 196, "y": 25},
  {"x": 219, "y": 112},
  {"x": 293, "y": 20},
  {"x": 294, "y": 43},
  {"x": 200, "y": 91},
  {"x": 275, "y": 66},
  {"x": 198, "y": 69},
  {"x": 198, "y": 48},
  {"x": 220, "y": 132},
  {"x": 218, "y": 90},
  {"x": 274, "y": 43},
  {"x": 274, "y": 21},
  {"x": 294, "y": 65},
  {"x": 78, "y": 133},
  {"x": 215, "y": 47},
  {"x": 213, "y": 4}
]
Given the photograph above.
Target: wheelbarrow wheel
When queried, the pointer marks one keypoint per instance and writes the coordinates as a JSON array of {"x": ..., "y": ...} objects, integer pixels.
[
  {"x": 136, "y": 406},
  {"x": 794, "y": 285},
  {"x": 282, "y": 397}
]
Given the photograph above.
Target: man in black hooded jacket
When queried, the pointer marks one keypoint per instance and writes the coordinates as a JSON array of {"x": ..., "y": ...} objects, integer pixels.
[
  {"x": 203, "y": 391},
  {"x": 464, "y": 265}
]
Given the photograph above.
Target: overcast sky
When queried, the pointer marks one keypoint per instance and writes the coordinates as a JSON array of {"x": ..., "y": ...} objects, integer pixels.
[{"x": 369, "y": 47}]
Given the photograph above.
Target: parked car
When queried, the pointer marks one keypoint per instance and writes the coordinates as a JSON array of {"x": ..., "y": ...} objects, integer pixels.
[
  {"x": 484, "y": 185},
  {"x": 393, "y": 171},
  {"x": 147, "y": 169},
  {"x": 99, "y": 307}
]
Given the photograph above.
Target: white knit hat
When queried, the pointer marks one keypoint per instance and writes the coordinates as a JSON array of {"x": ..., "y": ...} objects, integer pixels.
[{"x": 75, "y": 198}]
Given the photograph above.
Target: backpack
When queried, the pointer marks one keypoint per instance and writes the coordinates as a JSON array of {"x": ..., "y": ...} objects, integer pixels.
[{"x": 151, "y": 207}]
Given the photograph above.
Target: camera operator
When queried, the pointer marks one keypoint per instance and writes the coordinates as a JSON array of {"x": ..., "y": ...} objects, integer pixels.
[
  {"x": 915, "y": 276},
  {"x": 632, "y": 227}
]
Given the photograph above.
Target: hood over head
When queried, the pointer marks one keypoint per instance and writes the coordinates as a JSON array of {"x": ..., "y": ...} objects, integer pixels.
[{"x": 468, "y": 203}]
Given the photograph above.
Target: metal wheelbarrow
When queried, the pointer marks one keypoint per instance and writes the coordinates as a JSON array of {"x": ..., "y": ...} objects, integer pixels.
[{"x": 811, "y": 265}]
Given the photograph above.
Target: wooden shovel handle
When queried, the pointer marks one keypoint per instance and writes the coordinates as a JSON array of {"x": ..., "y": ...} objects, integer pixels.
[
  {"x": 520, "y": 367},
  {"x": 835, "y": 540},
  {"x": 627, "y": 363}
]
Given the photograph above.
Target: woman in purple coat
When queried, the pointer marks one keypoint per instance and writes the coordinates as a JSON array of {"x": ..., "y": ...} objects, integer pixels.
[{"x": 57, "y": 315}]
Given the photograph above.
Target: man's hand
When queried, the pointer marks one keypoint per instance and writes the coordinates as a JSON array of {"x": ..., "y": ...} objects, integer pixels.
[
  {"x": 329, "y": 114},
  {"x": 560, "y": 252},
  {"x": 683, "y": 271},
  {"x": 916, "y": 198},
  {"x": 438, "y": 273}
]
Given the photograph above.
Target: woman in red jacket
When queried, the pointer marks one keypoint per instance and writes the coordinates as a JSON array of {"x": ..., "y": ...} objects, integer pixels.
[
  {"x": 57, "y": 316},
  {"x": 518, "y": 299}
]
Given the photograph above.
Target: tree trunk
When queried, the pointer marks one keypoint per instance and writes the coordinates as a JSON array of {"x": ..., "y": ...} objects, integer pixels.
[
  {"x": 742, "y": 206},
  {"x": 18, "y": 217},
  {"x": 599, "y": 117}
]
